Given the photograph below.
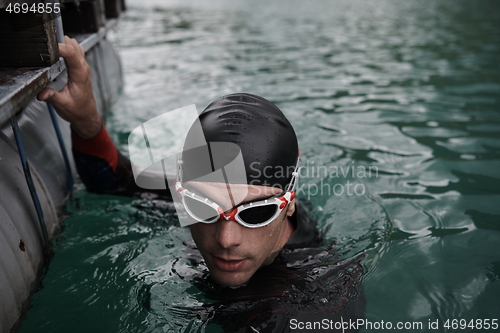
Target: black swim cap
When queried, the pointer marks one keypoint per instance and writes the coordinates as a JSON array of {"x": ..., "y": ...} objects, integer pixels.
[{"x": 252, "y": 125}]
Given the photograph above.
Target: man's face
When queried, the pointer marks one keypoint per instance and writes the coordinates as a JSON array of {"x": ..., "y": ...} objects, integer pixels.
[{"x": 233, "y": 253}]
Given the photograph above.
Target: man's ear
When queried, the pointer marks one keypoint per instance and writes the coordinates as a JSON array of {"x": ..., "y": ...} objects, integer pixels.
[{"x": 291, "y": 208}]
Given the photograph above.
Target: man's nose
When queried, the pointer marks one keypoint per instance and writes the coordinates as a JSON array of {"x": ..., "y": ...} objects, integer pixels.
[{"x": 229, "y": 233}]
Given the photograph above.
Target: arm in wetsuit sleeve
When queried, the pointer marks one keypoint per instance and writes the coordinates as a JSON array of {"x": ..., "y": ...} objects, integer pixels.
[
  {"x": 101, "y": 166},
  {"x": 103, "y": 169}
]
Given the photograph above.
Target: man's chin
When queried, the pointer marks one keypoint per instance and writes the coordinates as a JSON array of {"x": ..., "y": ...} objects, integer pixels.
[{"x": 230, "y": 279}]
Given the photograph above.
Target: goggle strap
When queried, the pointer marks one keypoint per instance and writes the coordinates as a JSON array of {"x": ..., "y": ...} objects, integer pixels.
[
  {"x": 179, "y": 167},
  {"x": 295, "y": 176}
]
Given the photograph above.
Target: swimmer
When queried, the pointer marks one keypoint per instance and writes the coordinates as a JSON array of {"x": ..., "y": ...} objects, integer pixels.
[
  {"x": 240, "y": 246},
  {"x": 233, "y": 251}
]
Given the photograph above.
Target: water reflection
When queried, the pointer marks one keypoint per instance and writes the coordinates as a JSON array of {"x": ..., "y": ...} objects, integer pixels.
[{"x": 409, "y": 87}]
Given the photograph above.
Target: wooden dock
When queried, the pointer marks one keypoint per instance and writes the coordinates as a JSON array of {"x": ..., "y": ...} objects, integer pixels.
[{"x": 29, "y": 61}]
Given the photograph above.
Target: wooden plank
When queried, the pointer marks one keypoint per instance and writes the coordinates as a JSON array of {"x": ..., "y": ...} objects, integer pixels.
[
  {"x": 29, "y": 39},
  {"x": 18, "y": 86}
]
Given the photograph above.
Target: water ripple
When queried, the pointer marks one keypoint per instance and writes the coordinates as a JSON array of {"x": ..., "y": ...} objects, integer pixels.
[{"x": 409, "y": 87}]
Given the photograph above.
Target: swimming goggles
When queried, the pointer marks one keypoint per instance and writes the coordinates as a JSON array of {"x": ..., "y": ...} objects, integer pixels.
[{"x": 251, "y": 215}]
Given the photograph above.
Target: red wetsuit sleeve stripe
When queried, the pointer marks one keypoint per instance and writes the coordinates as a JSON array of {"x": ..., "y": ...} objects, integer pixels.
[{"x": 100, "y": 146}]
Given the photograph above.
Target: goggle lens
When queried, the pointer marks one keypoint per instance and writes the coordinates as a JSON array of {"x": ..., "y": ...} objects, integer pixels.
[
  {"x": 258, "y": 215},
  {"x": 200, "y": 210}
]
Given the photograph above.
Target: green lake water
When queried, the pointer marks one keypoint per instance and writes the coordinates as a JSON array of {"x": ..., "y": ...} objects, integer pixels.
[{"x": 396, "y": 105}]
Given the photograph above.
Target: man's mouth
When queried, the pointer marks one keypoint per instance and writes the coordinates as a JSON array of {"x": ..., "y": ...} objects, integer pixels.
[{"x": 228, "y": 265}]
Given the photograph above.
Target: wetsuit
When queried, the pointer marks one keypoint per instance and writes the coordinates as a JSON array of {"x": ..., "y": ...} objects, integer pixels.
[{"x": 305, "y": 284}]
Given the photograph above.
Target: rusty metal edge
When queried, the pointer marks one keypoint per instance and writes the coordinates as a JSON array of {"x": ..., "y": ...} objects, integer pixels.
[{"x": 31, "y": 82}]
